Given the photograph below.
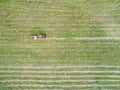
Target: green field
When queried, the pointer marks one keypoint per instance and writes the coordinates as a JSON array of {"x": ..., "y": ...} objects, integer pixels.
[{"x": 60, "y": 62}]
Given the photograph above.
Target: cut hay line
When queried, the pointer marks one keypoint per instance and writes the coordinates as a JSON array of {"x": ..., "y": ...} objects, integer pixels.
[
  {"x": 82, "y": 66},
  {"x": 61, "y": 86},
  {"x": 66, "y": 10},
  {"x": 59, "y": 81},
  {"x": 85, "y": 20},
  {"x": 109, "y": 25},
  {"x": 62, "y": 76},
  {"x": 86, "y": 38},
  {"x": 82, "y": 88},
  {"x": 58, "y": 69},
  {"x": 59, "y": 72},
  {"x": 42, "y": 89},
  {"x": 61, "y": 25},
  {"x": 77, "y": 15}
]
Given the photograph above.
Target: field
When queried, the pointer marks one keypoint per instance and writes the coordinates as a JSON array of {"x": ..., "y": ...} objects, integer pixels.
[{"x": 81, "y": 51}]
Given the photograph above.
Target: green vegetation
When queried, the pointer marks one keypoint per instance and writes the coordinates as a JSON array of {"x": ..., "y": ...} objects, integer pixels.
[
  {"x": 97, "y": 32},
  {"x": 3, "y": 87},
  {"x": 37, "y": 30},
  {"x": 19, "y": 19}
]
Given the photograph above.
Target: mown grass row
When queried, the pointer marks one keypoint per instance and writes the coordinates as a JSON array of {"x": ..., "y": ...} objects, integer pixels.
[
  {"x": 65, "y": 52},
  {"x": 59, "y": 19},
  {"x": 85, "y": 78},
  {"x": 56, "y": 22}
]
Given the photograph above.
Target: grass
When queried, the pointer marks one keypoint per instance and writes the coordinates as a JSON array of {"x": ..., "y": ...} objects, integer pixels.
[
  {"x": 58, "y": 19},
  {"x": 37, "y": 30}
]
